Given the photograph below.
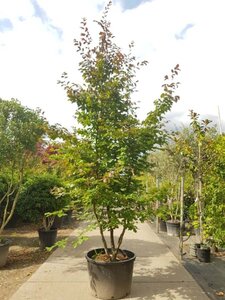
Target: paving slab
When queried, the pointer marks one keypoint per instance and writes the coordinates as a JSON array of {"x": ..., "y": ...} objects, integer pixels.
[
  {"x": 158, "y": 274},
  {"x": 210, "y": 276}
]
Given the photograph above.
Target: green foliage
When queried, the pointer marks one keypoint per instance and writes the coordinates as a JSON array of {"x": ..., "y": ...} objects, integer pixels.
[
  {"x": 110, "y": 146},
  {"x": 197, "y": 153},
  {"x": 36, "y": 198},
  {"x": 20, "y": 130},
  {"x": 162, "y": 212},
  {"x": 3, "y": 184},
  {"x": 213, "y": 191},
  {"x": 61, "y": 244},
  {"x": 49, "y": 218}
]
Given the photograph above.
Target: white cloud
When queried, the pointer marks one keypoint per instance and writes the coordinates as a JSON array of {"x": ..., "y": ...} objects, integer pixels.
[
  {"x": 33, "y": 55},
  {"x": 13, "y": 9}
]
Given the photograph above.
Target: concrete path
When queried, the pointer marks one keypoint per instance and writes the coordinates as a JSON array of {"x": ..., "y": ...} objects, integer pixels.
[{"x": 157, "y": 272}]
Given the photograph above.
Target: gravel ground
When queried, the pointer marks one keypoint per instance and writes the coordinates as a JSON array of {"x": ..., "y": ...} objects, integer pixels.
[{"x": 25, "y": 256}]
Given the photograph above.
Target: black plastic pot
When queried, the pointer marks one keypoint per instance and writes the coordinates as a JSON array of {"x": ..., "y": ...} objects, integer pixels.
[
  {"x": 4, "y": 250},
  {"x": 204, "y": 254},
  {"x": 110, "y": 280},
  {"x": 47, "y": 238},
  {"x": 173, "y": 228}
]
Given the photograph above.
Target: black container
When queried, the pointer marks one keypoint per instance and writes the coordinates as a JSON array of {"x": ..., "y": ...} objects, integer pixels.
[
  {"x": 47, "y": 237},
  {"x": 110, "y": 280},
  {"x": 204, "y": 254}
]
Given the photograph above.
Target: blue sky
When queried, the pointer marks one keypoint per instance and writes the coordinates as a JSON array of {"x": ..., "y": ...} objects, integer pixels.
[{"x": 36, "y": 46}]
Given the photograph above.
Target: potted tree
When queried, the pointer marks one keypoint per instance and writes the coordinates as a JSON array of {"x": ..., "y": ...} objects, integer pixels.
[
  {"x": 20, "y": 130},
  {"x": 48, "y": 233},
  {"x": 109, "y": 151},
  {"x": 200, "y": 165},
  {"x": 173, "y": 224},
  {"x": 39, "y": 203},
  {"x": 162, "y": 214},
  {"x": 158, "y": 200},
  {"x": 166, "y": 167}
]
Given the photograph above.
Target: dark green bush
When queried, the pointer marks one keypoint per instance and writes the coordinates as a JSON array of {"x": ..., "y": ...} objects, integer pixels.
[
  {"x": 36, "y": 198},
  {"x": 3, "y": 185}
]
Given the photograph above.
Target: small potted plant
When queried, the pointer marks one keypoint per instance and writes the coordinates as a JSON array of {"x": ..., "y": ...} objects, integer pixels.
[
  {"x": 48, "y": 233},
  {"x": 157, "y": 199},
  {"x": 39, "y": 204},
  {"x": 163, "y": 215},
  {"x": 173, "y": 224},
  {"x": 109, "y": 151}
]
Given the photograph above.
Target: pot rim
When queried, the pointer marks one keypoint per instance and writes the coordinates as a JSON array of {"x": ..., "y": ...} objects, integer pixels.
[
  {"x": 173, "y": 221},
  {"x": 42, "y": 229},
  {"x": 131, "y": 257}
]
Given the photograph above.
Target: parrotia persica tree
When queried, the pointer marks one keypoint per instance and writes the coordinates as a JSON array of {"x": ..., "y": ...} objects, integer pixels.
[
  {"x": 111, "y": 145},
  {"x": 20, "y": 130}
]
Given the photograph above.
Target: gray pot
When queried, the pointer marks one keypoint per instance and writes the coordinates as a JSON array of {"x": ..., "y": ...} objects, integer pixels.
[
  {"x": 110, "y": 280},
  {"x": 173, "y": 228},
  {"x": 4, "y": 250}
]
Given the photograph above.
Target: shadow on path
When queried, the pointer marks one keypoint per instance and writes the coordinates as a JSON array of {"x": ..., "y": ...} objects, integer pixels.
[{"x": 210, "y": 276}]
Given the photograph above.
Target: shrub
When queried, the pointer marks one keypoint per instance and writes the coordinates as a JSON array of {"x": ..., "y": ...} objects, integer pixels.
[{"x": 36, "y": 197}]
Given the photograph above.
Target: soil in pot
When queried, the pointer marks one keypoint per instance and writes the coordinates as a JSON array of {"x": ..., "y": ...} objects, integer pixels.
[
  {"x": 110, "y": 280},
  {"x": 173, "y": 228},
  {"x": 47, "y": 238},
  {"x": 4, "y": 250}
]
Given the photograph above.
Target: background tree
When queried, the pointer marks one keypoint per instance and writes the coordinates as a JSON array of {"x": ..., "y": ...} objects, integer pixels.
[
  {"x": 196, "y": 152},
  {"x": 214, "y": 190},
  {"x": 20, "y": 130}
]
